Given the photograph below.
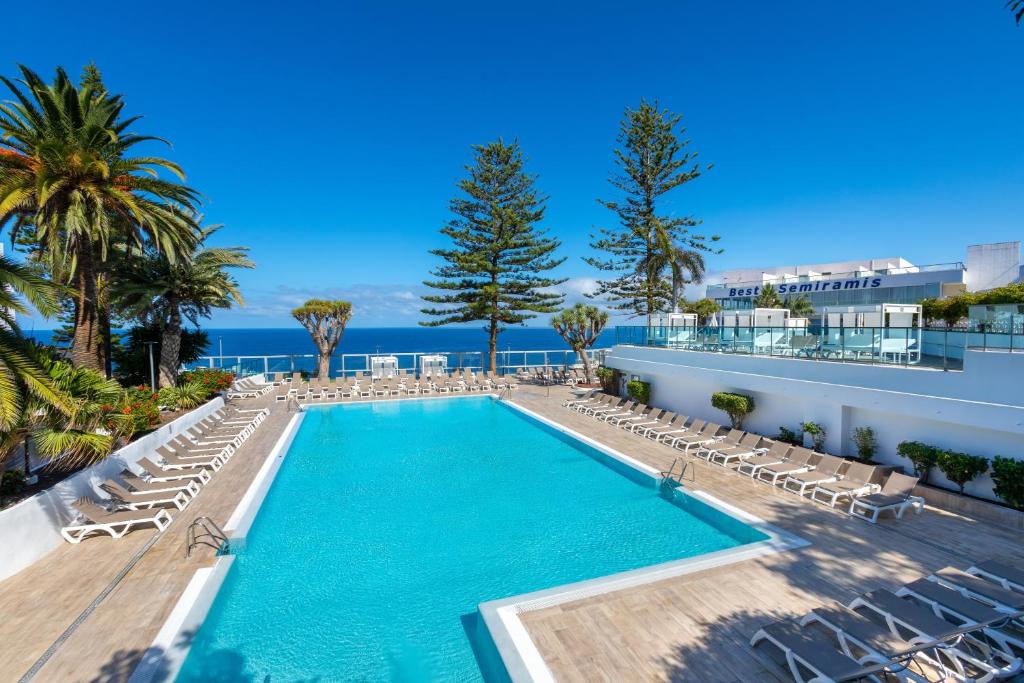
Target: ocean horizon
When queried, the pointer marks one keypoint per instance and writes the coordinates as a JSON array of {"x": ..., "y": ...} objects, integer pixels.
[{"x": 286, "y": 341}]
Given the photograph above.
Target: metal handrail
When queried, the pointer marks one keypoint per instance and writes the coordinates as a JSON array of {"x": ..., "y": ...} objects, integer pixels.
[{"x": 193, "y": 538}]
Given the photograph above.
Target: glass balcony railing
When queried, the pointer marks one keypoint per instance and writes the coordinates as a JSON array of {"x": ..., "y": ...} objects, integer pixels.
[
  {"x": 783, "y": 278},
  {"x": 906, "y": 346}
]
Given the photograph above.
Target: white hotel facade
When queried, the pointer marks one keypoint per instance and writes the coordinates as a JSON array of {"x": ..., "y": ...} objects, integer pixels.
[{"x": 975, "y": 407}]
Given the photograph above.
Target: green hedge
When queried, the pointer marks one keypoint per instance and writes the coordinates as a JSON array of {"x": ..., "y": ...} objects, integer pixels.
[
  {"x": 1008, "y": 475},
  {"x": 923, "y": 456},
  {"x": 960, "y": 468}
]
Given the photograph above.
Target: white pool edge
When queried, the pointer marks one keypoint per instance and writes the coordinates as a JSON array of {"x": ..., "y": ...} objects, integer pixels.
[
  {"x": 520, "y": 655},
  {"x": 523, "y": 662}
]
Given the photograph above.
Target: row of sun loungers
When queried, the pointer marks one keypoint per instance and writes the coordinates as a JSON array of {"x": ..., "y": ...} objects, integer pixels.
[
  {"x": 248, "y": 387},
  {"x": 361, "y": 386},
  {"x": 952, "y": 625},
  {"x": 820, "y": 477},
  {"x": 551, "y": 375},
  {"x": 172, "y": 477}
]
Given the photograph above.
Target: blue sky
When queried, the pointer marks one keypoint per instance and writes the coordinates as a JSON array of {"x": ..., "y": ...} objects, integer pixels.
[{"x": 328, "y": 136}]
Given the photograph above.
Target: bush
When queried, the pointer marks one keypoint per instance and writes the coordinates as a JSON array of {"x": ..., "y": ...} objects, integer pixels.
[
  {"x": 183, "y": 397},
  {"x": 737, "y": 406},
  {"x": 960, "y": 468},
  {"x": 640, "y": 391},
  {"x": 1008, "y": 475},
  {"x": 213, "y": 380},
  {"x": 12, "y": 483},
  {"x": 790, "y": 436},
  {"x": 923, "y": 456},
  {"x": 867, "y": 444},
  {"x": 817, "y": 432},
  {"x": 607, "y": 378},
  {"x": 138, "y": 406}
]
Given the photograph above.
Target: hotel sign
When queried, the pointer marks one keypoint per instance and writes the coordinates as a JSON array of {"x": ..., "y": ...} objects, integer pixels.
[{"x": 806, "y": 287}]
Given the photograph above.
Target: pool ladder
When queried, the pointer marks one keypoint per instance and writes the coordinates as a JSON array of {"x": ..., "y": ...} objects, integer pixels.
[
  {"x": 204, "y": 531},
  {"x": 668, "y": 476}
]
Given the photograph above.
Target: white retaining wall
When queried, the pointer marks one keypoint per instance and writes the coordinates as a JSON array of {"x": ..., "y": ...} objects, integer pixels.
[
  {"x": 31, "y": 528},
  {"x": 979, "y": 410}
]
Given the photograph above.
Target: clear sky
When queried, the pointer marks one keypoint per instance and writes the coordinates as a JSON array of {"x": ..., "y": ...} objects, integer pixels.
[{"x": 328, "y": 136}]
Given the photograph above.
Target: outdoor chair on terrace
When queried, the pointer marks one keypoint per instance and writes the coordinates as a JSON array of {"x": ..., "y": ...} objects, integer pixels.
[
  {"x": 664, "y": 421},
  {"x": 896, "y": 496},
  {"x": 707, "y": 435},
  {"x": 776, "y": 455},
  {"x": 158, "y": 473},
  {"x": 669, "y": 437},
  {"x": 828, "y": 470},
  {"x": 858, "y": 480},
  {"x": 140, "y": 485},
  {"x": 748, "y": 447},
  {"x": 731, "y": 439},
  {"x": 800, "y": 460},
  {"x": 117, "y": 524},
  {"x": 625, "y": 410},
  {"x": 1003, "y": 573},
  {"x": 134, "y": 500}
]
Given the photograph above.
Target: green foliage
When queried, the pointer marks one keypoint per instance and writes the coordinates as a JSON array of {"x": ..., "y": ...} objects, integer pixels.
[
  {"x": 790, "y": 436},
  {"x": 580, "y": 326},
  {"x": 923, "y": 456},
  {"x": 140, "y": 406},
  {"x": 12, "y": 482},
  {"x": 72, "y": 183},
  {"x": 817, "y": 432},
  {"x": 768, "y": 297},
  {"x": 954, "y": 309},
  {"x": 325, "y": 321},
  {"x": 652, "y": 159},
  {"x": 494, "y": 269},
  {"x": 185, "y": 396},
  {"x": 737, "y": 406},
  {"x": 131, "y": 355},
  {"x": 799, "y": 306},
  {"x": 1008, "y": 475},
  {"x": 704, "y": 309},
  {"x": 866, "y": 443},
  {"x": 607, "y": 378},
  {"x": 162, "y": 293},
  {"x": 640, "y": 391},
  {"x": 212, "y": 380},
  {"x": 961, "y": 468}
]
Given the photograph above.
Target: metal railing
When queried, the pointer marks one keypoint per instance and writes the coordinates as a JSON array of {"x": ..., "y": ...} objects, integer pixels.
[
  {"x": 906, "y": 346},
  {"x": 199, "y": 532},
  {"x": 348, "y": 364}
]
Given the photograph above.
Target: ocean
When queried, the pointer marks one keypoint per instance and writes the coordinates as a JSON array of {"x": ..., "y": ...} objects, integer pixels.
[{"x": 461, "y": 343}]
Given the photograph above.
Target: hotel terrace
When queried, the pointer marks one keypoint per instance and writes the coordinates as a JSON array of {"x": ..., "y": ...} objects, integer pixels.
[{"x": 797, "y": 561}]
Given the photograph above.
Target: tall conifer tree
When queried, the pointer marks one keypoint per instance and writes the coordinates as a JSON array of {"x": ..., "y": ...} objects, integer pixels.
[
  {"x": 494, "y": 269},
  {"x": 652, "y": 161}
]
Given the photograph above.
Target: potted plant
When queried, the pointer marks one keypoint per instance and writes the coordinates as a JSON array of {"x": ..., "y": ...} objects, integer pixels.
[
  {"x": 961, "y": 468},
  {"x": 867, "y": 445},
  {"x": 817, "y": 434},
  {"x": 737, "y": 406}
]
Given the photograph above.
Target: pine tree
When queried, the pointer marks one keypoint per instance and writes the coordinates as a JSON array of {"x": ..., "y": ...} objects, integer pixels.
[
  {"x": 652, "y": 161},
  {"x": 494, "y": 270}
]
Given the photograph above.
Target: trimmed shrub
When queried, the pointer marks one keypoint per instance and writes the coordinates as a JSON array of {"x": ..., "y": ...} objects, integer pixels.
[
  {"x": 960, "y": 468},
  {"x": 866, "y": 443},
  {"x": 817, "y": 432},
  {"x": 640, "y": 391},
  {"x": 1008, "y": 475},
  {"x": 606, "y": 376},
  {"x": 923, "y": 456},
  {"x": 737, "y": 406},
  {"x": 790, "y": 436}
]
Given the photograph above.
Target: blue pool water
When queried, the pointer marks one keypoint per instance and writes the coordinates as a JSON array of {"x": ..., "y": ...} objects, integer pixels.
[{"x": 389, "y": 522}]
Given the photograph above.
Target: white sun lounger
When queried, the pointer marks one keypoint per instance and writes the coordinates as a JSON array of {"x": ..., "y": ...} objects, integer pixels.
[
  {"x": 117, "y": 524},
  {"x": 896, "y": 496}
]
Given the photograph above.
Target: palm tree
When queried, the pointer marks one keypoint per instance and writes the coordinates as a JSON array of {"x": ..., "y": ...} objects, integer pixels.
[
  {"x": 157, "y": 290},
  {"x": 68, "y": 183},
  {"x": 799, "y": 306},
  {"x": 1017, "y": 7},
  {"x": 22, "y": 376},
  {"x": 686, "y": 265}
]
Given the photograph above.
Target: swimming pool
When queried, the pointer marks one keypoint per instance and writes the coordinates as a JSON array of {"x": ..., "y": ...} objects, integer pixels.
[{"x": 389, "y": 522}]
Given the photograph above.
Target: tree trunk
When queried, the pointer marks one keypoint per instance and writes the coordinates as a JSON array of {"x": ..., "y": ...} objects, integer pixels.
[
  {"x": 585, "y": 359},
  {"x": 323, "y": 363},
  {"x": 676, "y": 286},
  {"x": 170, "y": 351},
  {"x": 86, "y": 346},
  {"x": 28, "y": 460},
  {"x": 492, "y": 345}
]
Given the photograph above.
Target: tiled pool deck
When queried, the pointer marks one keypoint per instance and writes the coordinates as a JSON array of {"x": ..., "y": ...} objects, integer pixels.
[{"x": 691, "y": 627}]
